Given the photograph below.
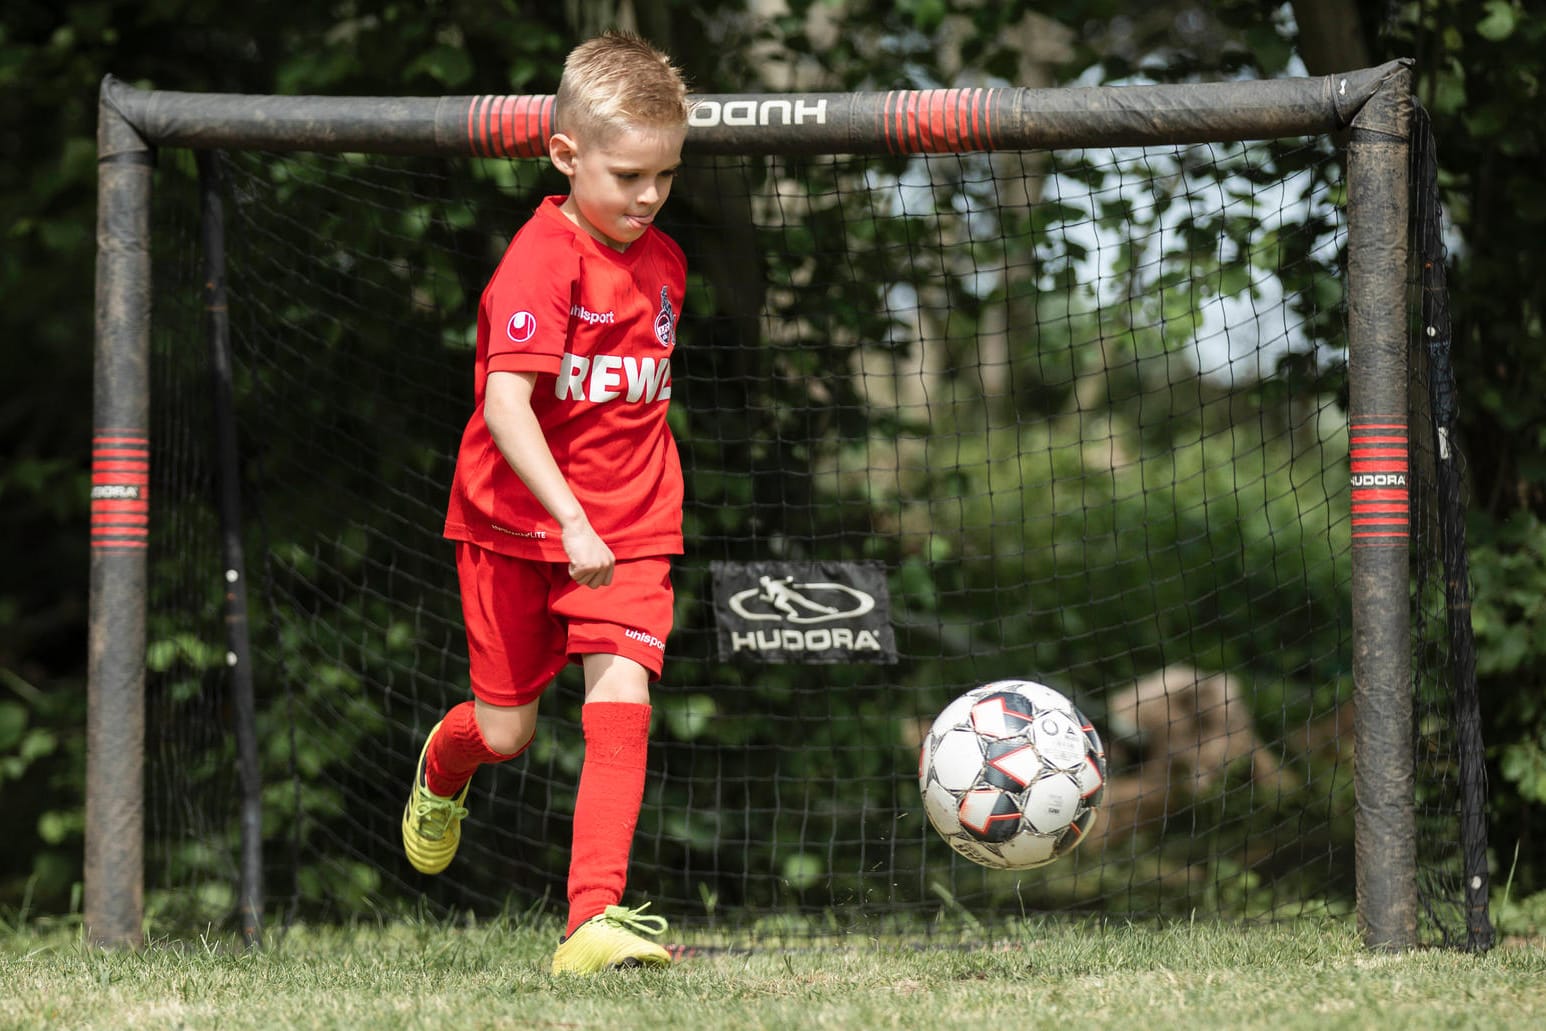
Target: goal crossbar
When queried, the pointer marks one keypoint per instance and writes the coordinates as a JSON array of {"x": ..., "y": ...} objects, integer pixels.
[{"x": 895, "y": 121}]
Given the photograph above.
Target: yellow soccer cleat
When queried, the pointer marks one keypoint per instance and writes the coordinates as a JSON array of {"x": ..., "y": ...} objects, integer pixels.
[
  {"x": 611, "y": 940},
  {"x": 432, "y": 825}
]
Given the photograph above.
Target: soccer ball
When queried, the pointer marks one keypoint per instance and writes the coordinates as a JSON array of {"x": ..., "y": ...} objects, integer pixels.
[{"x": 1012, "y": 774}]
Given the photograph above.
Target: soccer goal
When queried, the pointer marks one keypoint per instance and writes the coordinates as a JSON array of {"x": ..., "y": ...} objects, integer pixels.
[{"x": 1141, "y": 392}]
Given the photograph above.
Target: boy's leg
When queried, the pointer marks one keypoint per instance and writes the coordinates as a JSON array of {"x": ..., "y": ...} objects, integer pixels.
[
  {"x": 515, "y": 648},
  {"x": 455, "y": 748},
  {"x": 616, "y": 721},
  {"x": 461, "y": 743},
  {"x": 616, "y": 724}
]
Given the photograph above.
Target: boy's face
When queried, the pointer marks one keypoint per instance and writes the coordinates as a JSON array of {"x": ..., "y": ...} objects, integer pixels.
[{"x": 617, "y": 183}]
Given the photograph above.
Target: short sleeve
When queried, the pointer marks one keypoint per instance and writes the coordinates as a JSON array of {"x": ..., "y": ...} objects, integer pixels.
[{"x": 528, "y": 303}]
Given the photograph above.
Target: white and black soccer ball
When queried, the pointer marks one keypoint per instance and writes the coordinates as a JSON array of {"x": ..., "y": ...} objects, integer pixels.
[{"x": 1012, "y": 774}]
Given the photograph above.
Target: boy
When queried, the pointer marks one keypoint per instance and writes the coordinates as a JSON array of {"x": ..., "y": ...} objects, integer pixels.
[{"x": 567, "y": 500}]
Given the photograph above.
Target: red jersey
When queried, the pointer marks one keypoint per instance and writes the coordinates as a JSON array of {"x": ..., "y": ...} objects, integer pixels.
[{"x": 598, "y": 327}]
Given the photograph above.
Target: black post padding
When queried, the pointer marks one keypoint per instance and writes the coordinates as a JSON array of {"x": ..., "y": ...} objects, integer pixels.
[
  {"x": 899, "y": 121},
  {"x": 1469, "y": 746},
  {"x": 234, "y": 566},
  {"x": 115, "y": 707},
  {"x": 1378, "y": 253}
]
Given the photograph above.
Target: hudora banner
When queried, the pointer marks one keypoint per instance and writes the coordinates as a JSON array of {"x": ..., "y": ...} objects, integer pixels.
[{"x": 816, "y": 612}]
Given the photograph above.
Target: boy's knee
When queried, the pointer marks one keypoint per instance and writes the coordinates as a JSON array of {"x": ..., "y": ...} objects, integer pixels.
[
  {"x": 507, "y": 742},
  {"x": 613, "y": 678},
  {"x": 506, "y": 731}
]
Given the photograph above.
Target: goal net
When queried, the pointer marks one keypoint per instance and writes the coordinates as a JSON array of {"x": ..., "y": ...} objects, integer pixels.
[{"x": 1150, "y": 410}]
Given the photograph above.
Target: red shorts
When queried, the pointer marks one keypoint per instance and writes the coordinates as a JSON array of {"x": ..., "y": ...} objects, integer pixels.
[{"x": 526, "y": 619}]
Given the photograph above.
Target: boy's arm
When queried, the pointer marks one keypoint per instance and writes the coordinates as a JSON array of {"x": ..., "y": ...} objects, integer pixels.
[{"x": 507, "y": 411}]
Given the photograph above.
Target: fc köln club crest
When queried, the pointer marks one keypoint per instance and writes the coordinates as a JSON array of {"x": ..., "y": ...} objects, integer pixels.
[{"x": 665, "y": 321}]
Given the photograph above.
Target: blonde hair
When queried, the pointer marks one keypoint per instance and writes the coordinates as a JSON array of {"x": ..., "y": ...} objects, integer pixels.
[{"x": 617, "y": 81}]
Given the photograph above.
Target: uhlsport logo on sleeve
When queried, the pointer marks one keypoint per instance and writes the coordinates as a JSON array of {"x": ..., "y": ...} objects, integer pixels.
[
  {"x": 818, "y": 612},
  {"x": 521, "y": 327}
]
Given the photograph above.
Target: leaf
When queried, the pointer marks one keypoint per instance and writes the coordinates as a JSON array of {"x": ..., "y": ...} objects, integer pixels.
[
  {"x": 1234, "y": 280},
  {"x": 916, "y": 585},
  {"x": 1524, "y": 764},
  {"x": 1499, "y": 22},
  {"x": 689, "y": 717},
  {"x": 803, "y": 870},
  {"x": 13, "y": 721}
]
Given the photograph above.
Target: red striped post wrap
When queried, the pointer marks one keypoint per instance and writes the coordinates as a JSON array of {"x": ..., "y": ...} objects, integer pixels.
[
  {"x": 1381, "y": 504},
  {"x": 510, "y": 126},
  {"x": 120, "y": 491},
  {"x": 938, "y": 121}
]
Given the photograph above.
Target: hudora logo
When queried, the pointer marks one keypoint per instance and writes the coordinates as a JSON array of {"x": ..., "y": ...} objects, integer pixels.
[
  {"x": 782, "y": 600},
  {"x": 1380, "y": 480},
  {"x": 790, "y": 640},
  {"x": 757, "y": 112}
]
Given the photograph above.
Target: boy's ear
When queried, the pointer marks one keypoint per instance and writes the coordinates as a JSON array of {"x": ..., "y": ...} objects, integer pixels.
[{"x": 562, "y": 152}]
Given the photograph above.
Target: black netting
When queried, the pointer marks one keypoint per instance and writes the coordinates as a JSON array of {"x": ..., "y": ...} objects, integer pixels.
[{"x": 1086, "y": 409}]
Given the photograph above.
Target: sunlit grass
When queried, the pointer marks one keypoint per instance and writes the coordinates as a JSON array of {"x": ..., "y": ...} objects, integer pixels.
[{"x": 419, "y": 974}]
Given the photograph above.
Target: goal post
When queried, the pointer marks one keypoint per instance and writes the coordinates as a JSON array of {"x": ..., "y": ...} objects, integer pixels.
[
  {"x": 1373, "y": 107},
  {"x": 120, "y": 522},
  {"x": 1378, "y": 445}
]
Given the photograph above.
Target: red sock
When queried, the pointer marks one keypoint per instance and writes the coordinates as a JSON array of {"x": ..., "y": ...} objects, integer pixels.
[
  {"x": 606, "y": 808},
  {"x": 456, "y": 750}
]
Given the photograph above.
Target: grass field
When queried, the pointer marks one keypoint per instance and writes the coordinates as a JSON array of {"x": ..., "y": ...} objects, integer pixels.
[{"x": 423, "y": 975}]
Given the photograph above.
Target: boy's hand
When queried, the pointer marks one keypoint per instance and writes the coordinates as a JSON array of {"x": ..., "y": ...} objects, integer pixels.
[
  {"x": 508, "y": 413},
  {"x": 590, "y": 560}
]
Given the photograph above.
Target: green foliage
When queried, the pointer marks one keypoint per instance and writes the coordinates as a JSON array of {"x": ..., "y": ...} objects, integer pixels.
[
  {"x": 1509, "y": 615},
  {"x": 1479, "y": 69},
  {"x": 52, "y": 59},
  {"x": 1479, "y": 72},
  {"x": 1509, "y": 610},
  {"x": 38, "y": 757}
]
